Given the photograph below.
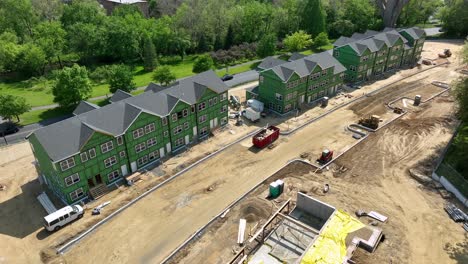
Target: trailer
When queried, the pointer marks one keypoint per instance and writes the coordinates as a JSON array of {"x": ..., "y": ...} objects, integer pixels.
[
  {"x": 266, "y": 136},
  {"x": 251, "y": 114}
]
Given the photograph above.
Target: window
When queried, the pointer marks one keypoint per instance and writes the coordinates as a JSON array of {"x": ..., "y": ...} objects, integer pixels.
[
  {"x": 67, "y": 164},
  {"x": 352, "y": 68},
  {"x": 140, "y": 147},
  {"x": 210, "y": 102},
  {"x": 122, "y": 154},
  {"x": 84, "y": 157},
  {"x": 137, "y": 133},
  {"x": 201, "y": 106},
  {"x": 184, "y": 112},
  {"x": 149, "y": 128},
  {"x": 174, "y": 117},
  {"x": 204, "y": 131},
  {"x": 143, "y": 160},
  {"x": 119, "y": 140},
  {"x": 186, "y": 125},
  {"x": 324, "y": 72},
  {"x": 215, "y": 100},
  {"x": 193, "y": 108},
  {"x": 106, "y": 147},
  {"x": 153, "y": 155},
  {"x": 72, "y": 179},
  {"x": 260, "y": 79},
  {"x": 76, "y": 194},
  {"x": 337, "y": 53},
  {"x": 164, "y": 121},
  {"x": 287, "y": 107},
  {"x": 110, "y": 161},
  {"x": 365, "y": 58},
  {"x": 177, "y": 130},
  {"x": 113, "y": 175},
  {"x": 223, "y": 120},
  {"x": 202, "y": 119},
  {"x": 271, "y": 105},
  {"x": 280, "y": 108},
  {"x": 224, "y": 108},
  {"x": 92, "y": 153},
  {"x": 279, "y": 97},
  {"x": 151, "y": 142},
  {"x": 224, "y": 95},
  {"x": 179, "y": 142},
  {"x": 166, "y": 133},
  {"x": 288, "y": 96},
  {"x": 342, "y": 76}
]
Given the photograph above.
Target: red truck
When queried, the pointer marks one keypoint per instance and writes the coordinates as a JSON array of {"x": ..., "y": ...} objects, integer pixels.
[{"x": 266, "y": 136}]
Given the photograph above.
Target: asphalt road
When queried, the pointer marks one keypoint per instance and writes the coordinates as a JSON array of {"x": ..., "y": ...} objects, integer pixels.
[{"x": 433, "y": 31}]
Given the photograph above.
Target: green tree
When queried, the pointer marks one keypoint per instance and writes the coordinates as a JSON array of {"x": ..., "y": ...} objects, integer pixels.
[
  {"x": 50, "y": 37},
  {"x": 202, "y": 63},
  {"x": 229, "y": 41},
  {"x": 313, "y": 17},
  {"x": 121, "y": 78},
  {"x": 218, "y": 44},
  {"x": 342, "y": 27},
  {"x": 72, "y": 86},
  {"x": 153, "y": 8},
  {"x": 163, "y": 75},
  {"x": 418, "y": 12},
  {"x": 266, "y": 46},
  {"x": 86, "y": 12},
  {"x": 454, "y": 17},
  {"x": 18, "y": 16},
  {"x": 124, "y": 10},
  {"x": 297, "y": 41},
  {"x": 149, "y": 54},
  {"x": 362, "y": 13},
  {"x": 30, "y": 60},
  {"x": 49, "y": 10},
  {"x": 202, "y": 45},
  {"x": 13, "y": 106},
  {"x": 321, "y": 40},
  {"x": 9, "y": 50}
]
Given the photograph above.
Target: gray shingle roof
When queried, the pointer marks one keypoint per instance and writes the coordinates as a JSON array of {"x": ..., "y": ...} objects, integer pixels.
[
  {"x": 414, "y": 32},
  {"x": 303, "y": 67},
  {"x": 66, "y": 138},
  {"x": 154, "y": 87},
  {"x": 84, "y": 107},
  {"x": 270, "y": 62},
  {"x": 296, "y": 56},
  {"x": 371, "y": 40},
  {"x": 119, "y": 95}
]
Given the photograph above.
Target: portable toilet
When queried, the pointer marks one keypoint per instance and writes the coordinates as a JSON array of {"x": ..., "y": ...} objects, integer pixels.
[
  {"x": 280, "y": 185},
  {"x": 324, "y": 101},
  {"x": 417, "y": 100},
  {"x": 274, "y": 190}
]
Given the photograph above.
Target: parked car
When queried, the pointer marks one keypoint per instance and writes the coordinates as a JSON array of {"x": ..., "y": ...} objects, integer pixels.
[
  {"x": 227, "y": 77},
  {"x": 8, "y": 128},
  {"x": 59, "y": 218}
]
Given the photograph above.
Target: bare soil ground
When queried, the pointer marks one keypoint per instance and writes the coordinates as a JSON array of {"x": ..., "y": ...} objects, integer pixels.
[
  {"x": 375, "y": 177},
  {"x": 182, "y": 206}
]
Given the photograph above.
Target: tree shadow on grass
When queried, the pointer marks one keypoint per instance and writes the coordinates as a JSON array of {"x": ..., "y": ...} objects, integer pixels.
[{"x": 54, "y": 115}]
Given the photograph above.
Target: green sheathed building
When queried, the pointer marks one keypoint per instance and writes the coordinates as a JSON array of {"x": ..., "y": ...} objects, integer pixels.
[
  {"x": 370, "y": 54},
  {"x": 286, "y": 86},
  {"x": 98, "y": 146}
]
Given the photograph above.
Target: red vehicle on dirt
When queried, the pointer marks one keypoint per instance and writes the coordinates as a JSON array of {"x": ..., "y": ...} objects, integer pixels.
[
  {"x": 266, "y": 136},
  {"x": 327, "y": 156}
]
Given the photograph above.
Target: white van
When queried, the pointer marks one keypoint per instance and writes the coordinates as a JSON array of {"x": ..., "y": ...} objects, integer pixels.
[{"x": 59, "y": 218}]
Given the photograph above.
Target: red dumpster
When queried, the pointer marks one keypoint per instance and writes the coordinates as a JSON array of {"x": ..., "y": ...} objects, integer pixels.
[{"x": 265, "y": 136}]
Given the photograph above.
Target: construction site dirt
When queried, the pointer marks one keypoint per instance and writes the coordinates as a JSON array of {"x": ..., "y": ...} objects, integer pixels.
[
  {"x": 372, "y": 176},
  {"x": 151, "y": 229}
]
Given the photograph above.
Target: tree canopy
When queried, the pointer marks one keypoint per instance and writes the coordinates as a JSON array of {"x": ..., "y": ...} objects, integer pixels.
[
  {"x": 164, "y": 75},
  {"x": 121, "y": 78},
  {"x": 72, "y": 86},
  {"x": 202, "y": 63},
  {"x": 13, "y": 106},
  {"x": 297, "y": 41}
]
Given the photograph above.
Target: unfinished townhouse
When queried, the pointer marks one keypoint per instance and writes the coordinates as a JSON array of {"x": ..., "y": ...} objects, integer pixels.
[
  {"x": 286, "y": 86},
  {"x": 371, "y": 54},
  {"x": 84, "y": 154}
]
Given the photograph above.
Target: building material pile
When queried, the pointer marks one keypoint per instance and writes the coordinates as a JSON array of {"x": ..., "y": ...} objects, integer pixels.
[{"x": 455, "y": 213}]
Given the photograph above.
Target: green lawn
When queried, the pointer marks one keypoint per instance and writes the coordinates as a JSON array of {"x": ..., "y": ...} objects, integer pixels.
[
  {"x": 39, "y": 115},
  {"x": 238, "y": 69}
]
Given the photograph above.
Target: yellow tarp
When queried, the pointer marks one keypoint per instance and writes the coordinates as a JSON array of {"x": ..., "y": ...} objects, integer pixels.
[{"x": 330, "y": 246}]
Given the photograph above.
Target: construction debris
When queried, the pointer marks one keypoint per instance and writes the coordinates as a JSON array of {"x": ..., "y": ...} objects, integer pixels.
[
  {"x": 420, "y": 177},
  {"x": 240, "y": 235},
  {"x": 2, "y": 187},
  {"x": 375, "y": 215},
  {"x": 326, "y": 188},
  {"x": 455, "y": 213},
  {"x": 225, "y": 213},
  {"x": 98, "y": 209}
]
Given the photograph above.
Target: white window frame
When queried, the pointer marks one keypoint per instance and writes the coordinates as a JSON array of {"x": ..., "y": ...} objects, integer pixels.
[
  {"x": 179, "y": 142},
  {"x": 201, "y": 106},
  {"x": 186, "y": 125},
  {"x": 142, "y": 161},
  {"x": 74, "y": 195},
  {"x": 215, "y": 100},
  {"x": 224, "y": 96},
  {"x": 149, "y": 128},
  {"x": 106, "y": 147},
  {"x": 140, "y": 147},
  {"x": 202, "y": 119},
  {"x": 151, "y": 142},
  {"x": 279, "y": 97},
  {"x": 185, "y": 113},
  {"x": 74, "y": 178},
  {"x": 174, "y": 117},
  {"x": 110, "y": 161},
  {"x": 85, "y": 155},
  {"x": 177, "y": 130},
  {"x": 164, "y": 121},
  {"x": 224, "y": 108},
  {"x": 153, "y": 155},
  {"x": 223, "y": 120},
  {"x": 122, "y": 154},
  {"x": 324, "y": 72},
  {"x": 113, "y": 175},
  {"x": 119, "y": 140},
  {"x": 204, "y": 131},
  {"x": 67, "y": 164},
  {"x": 166, "y": 133},
  {"x": 92, "y": 153},
  {"x": 137, "y": 133}
]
